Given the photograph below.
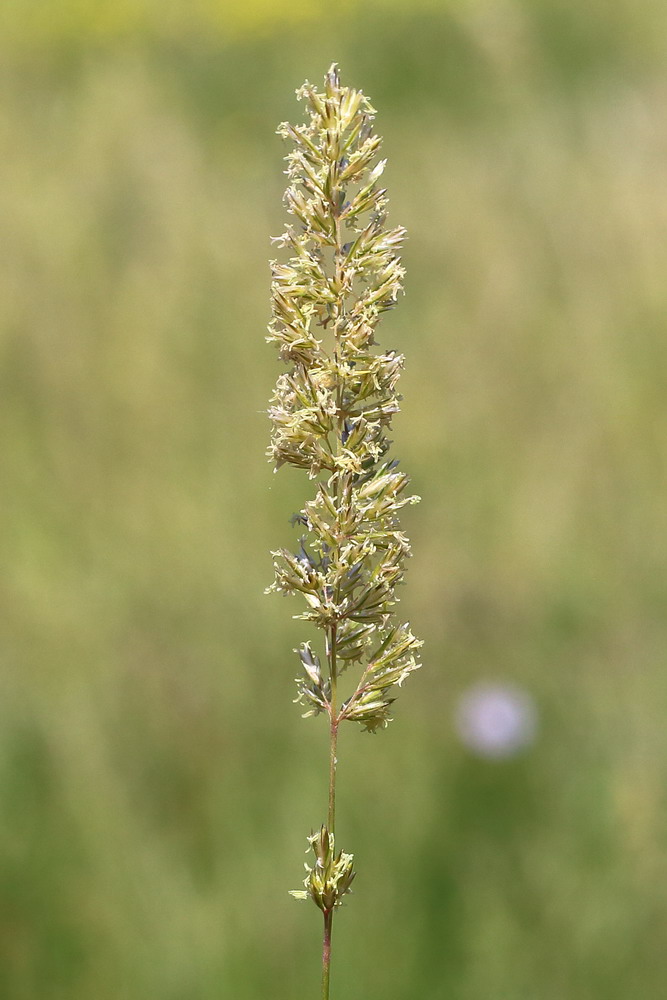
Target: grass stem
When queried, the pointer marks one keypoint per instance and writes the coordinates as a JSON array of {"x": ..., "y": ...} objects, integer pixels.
[{"x": 326, "y": 953}]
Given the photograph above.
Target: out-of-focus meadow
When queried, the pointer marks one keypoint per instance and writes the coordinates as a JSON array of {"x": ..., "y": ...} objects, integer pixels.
[{"x": 156, "y": 781}]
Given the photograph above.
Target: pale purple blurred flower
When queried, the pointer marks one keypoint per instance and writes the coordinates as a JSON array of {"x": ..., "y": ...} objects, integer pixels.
[{"x": 496, "y": 720}]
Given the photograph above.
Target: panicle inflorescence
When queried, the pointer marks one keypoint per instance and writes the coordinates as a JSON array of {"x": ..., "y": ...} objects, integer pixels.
[{"x": 331, "y": 414}]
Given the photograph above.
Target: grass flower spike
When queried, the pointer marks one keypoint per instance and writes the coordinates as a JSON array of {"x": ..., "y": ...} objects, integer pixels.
[{"x": 330, "y": 416}]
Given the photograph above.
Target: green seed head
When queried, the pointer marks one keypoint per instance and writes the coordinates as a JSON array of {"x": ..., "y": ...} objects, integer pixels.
[{"x": 333, "y": 407}]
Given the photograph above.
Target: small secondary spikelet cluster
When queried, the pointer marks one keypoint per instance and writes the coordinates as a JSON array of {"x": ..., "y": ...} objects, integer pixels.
[
  {"x": 333, "y": 408},
  {"x": 330, "y": 877}
]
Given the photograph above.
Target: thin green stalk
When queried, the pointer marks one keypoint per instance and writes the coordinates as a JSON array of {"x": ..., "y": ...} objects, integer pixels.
[
  {"x": 333, "y": 732},
  {"x": 331, "y": 816},
  {"x": 326, "y": 953}
]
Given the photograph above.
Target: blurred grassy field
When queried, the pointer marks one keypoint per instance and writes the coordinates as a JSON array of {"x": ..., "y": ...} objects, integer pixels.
[{"x": 156, "y": 782}]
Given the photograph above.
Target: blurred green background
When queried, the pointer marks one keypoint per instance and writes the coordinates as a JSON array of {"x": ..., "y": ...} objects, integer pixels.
[{"x": 156, "y": 781}]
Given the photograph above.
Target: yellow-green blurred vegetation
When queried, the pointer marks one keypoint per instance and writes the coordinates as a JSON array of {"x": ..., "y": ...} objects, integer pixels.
[{"x": 156, "y": 781}]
